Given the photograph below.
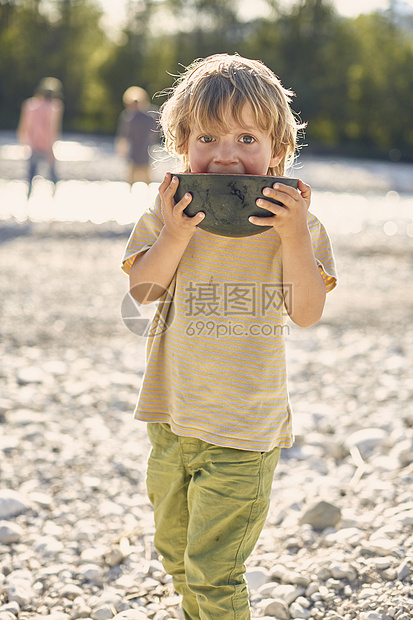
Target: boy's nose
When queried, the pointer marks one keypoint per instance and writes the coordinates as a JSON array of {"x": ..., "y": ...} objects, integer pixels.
[{"x": 225, "y": 154}]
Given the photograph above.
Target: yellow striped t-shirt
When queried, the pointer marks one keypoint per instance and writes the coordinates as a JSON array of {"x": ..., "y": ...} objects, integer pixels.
[{"x": 215, "y": 359}]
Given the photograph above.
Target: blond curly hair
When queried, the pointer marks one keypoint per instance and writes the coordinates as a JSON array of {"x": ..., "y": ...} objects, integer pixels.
[{"x": 202, "y": 94}]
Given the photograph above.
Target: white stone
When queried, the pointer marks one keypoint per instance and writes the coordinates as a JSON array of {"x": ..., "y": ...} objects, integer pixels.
[
  {"x": 321, "y": 514},
  {"x": 366, "y": 439},
  {"x": 350, "y": 535},
  {"x": 10, "y": 532},
  {"x": 256, "y": 577},
  {"x": 312, "y": 588},
  {"x": 339, "y": 571},
  {"x": 266, "y": 589},
  {"x": 382, "y": 546},
  {"x": 277, "y": 608},
  {"x": 58, "y": 615},
  {"x": 21, "y": 592},
  {"x": 278, "y": 571},
  {"x": 301, "y": 600},
  {"x": 114, "y": 556},
  {"x": 48, "y": 545},
  {"x": 70, "y": 591},
  {"x": 390, "y": 574},
  {"x": 20, "y": 575},
  {"x": 287, "y": 592},
  {"x": 334, "y": 584},
  {"x": 404, "y": 452},
  {"x": 12, "y": 606},
  {"x": 323, "y": 573},
  {"x": 404, "y": 518},
  {"x": 298, "y": 611},
  {"x": 56, "y": 368},
  {"x": 131, "y": 614},
  {"x": 90, "y": 572},
  {"x": 108, "y": 597},
  {"x": 30, "y": 374},
  {"x": 41, "y": 499},
  {"x": 102, "y": 613},
  {"x": 296, "y": 578},
  {"x": 7, "y": 615},
  {"x": 12, "y": 503},
  {"x": 8, "y": 444},
  {"x": 403, "y": 571},
  {"x": 381, "y": 563},
  {"x": 367, "y": 593}
]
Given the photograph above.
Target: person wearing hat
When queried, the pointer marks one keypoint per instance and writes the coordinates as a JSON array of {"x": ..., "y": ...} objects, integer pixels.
[
  {"x": 40, "y": 125},
  {"x": 136, "y": 132}
]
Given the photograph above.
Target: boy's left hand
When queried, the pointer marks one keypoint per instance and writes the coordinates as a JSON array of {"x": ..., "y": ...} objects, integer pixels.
[{"x": 290, "y": 218}]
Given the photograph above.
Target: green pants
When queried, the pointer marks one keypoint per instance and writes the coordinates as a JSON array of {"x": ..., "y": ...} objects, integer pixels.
[{"x": 210, "y": 505}]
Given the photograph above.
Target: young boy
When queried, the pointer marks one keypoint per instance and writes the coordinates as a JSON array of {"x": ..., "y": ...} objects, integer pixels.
[{"x": 214, "y": 392}]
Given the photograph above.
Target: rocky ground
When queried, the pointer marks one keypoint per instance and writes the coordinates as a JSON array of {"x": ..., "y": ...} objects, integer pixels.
[{"x": 75, "y": 525}]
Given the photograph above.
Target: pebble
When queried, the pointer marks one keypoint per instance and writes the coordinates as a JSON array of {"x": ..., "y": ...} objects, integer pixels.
[
  {"x": 76, "y": 527},
  {"x": 366, "y": 440},
  {"x": 277, "y": 608},
  {"x": 288, "y": 593},
  {"x": 257, "y": 578},
  {"x": 131, "y": 614},
  {"x": 382, "y": 546},
  {"x": 12, "y": 607},
  {"x": 10, "y": 532},
  {"x": 90, "y": 572},
  {"x": 12, "y": 503},
  {"x": 321, "y": 515},
  {"x": 7, "y": 615},
  {"x": 105, "y": 612},
  {"x": 297, "y": 610},
  {"x": 403, "y": 571}
]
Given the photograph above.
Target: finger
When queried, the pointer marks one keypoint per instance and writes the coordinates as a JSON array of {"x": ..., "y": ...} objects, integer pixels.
[
  {"x": 172, "y": 186},
  {"x": 194, "y": 220},
  {"x": 305, "y": 190},
  {"x": 183, "y": 203},
  {"x": 262, "y": 221},
  {"x": 165, "y": 183},
  {"x": 287, "y": 189},
  {"x": 198, "y": 218},
  {"x": 303, "y": 187},
  {"x": 283, "y": 193},
  {"x": 270, "y": 206}
]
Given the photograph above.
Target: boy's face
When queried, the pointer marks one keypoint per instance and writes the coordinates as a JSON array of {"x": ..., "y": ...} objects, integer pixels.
[{"x": 245, "y": 149}]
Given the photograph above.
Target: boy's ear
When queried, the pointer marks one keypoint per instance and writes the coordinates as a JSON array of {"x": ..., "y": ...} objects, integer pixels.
[{"x": 275, "y": 160}]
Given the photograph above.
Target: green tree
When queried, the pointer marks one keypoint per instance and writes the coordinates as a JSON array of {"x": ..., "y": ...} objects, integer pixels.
[
  {"x": 63, "y": 40},
  {"x": 380, "y": 84}
]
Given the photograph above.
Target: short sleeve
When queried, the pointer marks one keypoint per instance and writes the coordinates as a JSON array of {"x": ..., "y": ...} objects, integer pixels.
[
  {"x": 144, "y": 234},
  {"x": 323, "y": 252}
]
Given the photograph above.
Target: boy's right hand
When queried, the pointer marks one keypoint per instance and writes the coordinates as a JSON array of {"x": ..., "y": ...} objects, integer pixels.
[{"x": 176, "y": 221}]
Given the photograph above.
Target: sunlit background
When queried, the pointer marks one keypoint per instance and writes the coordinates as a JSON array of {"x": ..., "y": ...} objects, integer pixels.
[
  {"x": 115, "y": 10},
  {"x": 348, "y": 61}
]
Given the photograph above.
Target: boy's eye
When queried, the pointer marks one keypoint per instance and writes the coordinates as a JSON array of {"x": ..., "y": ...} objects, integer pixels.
[
  {"x": 206, "y": 139},
  {"x": 247, "y": 139}
]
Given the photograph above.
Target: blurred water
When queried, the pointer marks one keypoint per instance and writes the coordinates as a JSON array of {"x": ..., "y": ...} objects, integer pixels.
[
  {"x": 76, "y": 201},
  {"x": 348, "y": 195}
]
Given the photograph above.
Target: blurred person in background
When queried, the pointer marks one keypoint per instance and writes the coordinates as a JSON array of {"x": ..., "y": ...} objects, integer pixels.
[
  {"x": 40, "y": 126},
  {"x": 137, "y": 131}
]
